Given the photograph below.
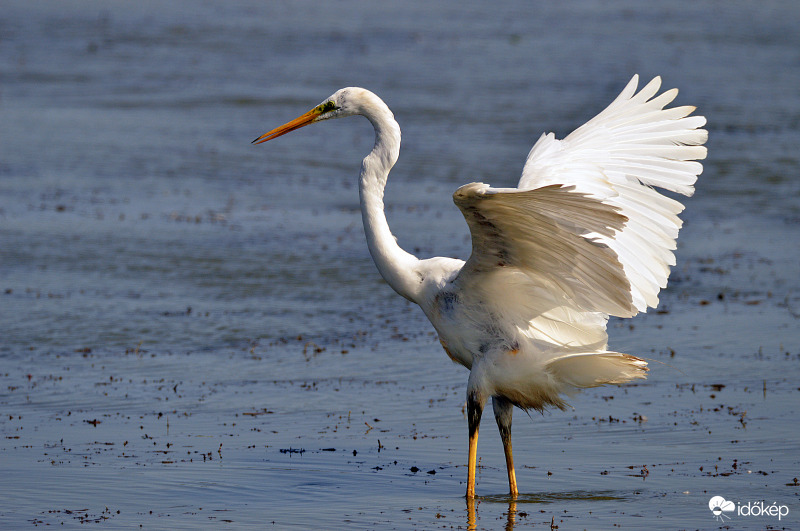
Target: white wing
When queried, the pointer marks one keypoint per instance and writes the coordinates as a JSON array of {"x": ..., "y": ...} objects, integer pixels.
[
  {"x": 545, "y": 233},
  {"x": 585, "y": 236},
  {"x": 616, "y": 157},
  {"x": 540, "y": 271}
]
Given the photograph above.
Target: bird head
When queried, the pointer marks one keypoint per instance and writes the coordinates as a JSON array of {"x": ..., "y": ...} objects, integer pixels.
[{"x": 343, "y": 102}]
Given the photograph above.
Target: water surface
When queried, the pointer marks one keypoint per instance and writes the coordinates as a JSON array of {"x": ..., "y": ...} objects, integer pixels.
[{"x": 192, "y": 332}]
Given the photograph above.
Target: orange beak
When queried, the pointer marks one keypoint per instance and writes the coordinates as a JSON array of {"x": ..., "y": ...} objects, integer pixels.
[{"x": 297, "y": 123}]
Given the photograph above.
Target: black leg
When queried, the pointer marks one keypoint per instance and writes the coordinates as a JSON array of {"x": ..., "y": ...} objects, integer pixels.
[
  {"x": 503, "y": 410},
  {"x": 474, "y": 411}
]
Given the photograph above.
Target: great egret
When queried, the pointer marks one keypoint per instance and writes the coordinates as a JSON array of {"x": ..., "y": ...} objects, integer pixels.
[{"x": 582, "y": 237}]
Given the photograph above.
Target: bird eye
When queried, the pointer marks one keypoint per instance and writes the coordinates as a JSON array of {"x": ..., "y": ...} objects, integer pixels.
[{"x": 326, "y": 107}]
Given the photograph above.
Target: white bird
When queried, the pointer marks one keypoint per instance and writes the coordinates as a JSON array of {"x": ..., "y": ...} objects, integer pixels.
[{"x": 582, "y": 237}]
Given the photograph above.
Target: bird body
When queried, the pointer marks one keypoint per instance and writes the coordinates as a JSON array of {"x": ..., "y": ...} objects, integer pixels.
[{"x": 582, "y": 237}]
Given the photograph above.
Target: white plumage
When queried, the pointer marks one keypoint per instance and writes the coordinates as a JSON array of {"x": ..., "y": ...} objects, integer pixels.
[{"x": 584, "y": 236}]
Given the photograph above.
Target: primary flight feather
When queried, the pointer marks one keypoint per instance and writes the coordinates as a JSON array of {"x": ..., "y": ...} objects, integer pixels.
[{"x": 585, "y": 235}]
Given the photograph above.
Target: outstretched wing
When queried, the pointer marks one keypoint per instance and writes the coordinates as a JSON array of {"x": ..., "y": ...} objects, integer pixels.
[
  {"x": 617, "y": 158},
  {"x": 552, "y": 235},
  {"x": 585, "y": 224}
]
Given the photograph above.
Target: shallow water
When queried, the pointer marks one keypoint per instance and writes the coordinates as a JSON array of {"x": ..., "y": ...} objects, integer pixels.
[{"x": 193, "y": 333}]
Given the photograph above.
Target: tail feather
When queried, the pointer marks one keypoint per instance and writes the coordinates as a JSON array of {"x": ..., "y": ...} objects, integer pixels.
[{"x": 595, "y": 369}]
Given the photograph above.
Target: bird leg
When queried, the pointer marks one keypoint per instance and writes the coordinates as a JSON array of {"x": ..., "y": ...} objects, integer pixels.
[
  {"x": 474, "y": 411},
  {"x": 503, "y": 409}
]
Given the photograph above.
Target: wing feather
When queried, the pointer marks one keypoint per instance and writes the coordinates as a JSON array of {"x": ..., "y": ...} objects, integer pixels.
[
  {"x": 551, "y": 234},
  {"x": 585, "y": 235},
  {"x": 634, "y": 144}
]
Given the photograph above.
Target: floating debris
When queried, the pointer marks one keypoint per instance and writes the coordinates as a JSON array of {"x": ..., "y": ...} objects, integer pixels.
[
  {"x": 293, "y": 451},
  {"x": 264, "y": 411}
]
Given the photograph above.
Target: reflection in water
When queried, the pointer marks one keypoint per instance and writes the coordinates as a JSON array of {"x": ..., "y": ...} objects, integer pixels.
[
  {"x": 512, "y": 512},
  {"x": 472, "y": 515},
  {"x": 541, "y": 497}
]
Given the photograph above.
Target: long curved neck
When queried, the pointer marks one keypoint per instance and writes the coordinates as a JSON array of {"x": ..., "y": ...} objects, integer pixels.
[{"x": 395, "y": 265}]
